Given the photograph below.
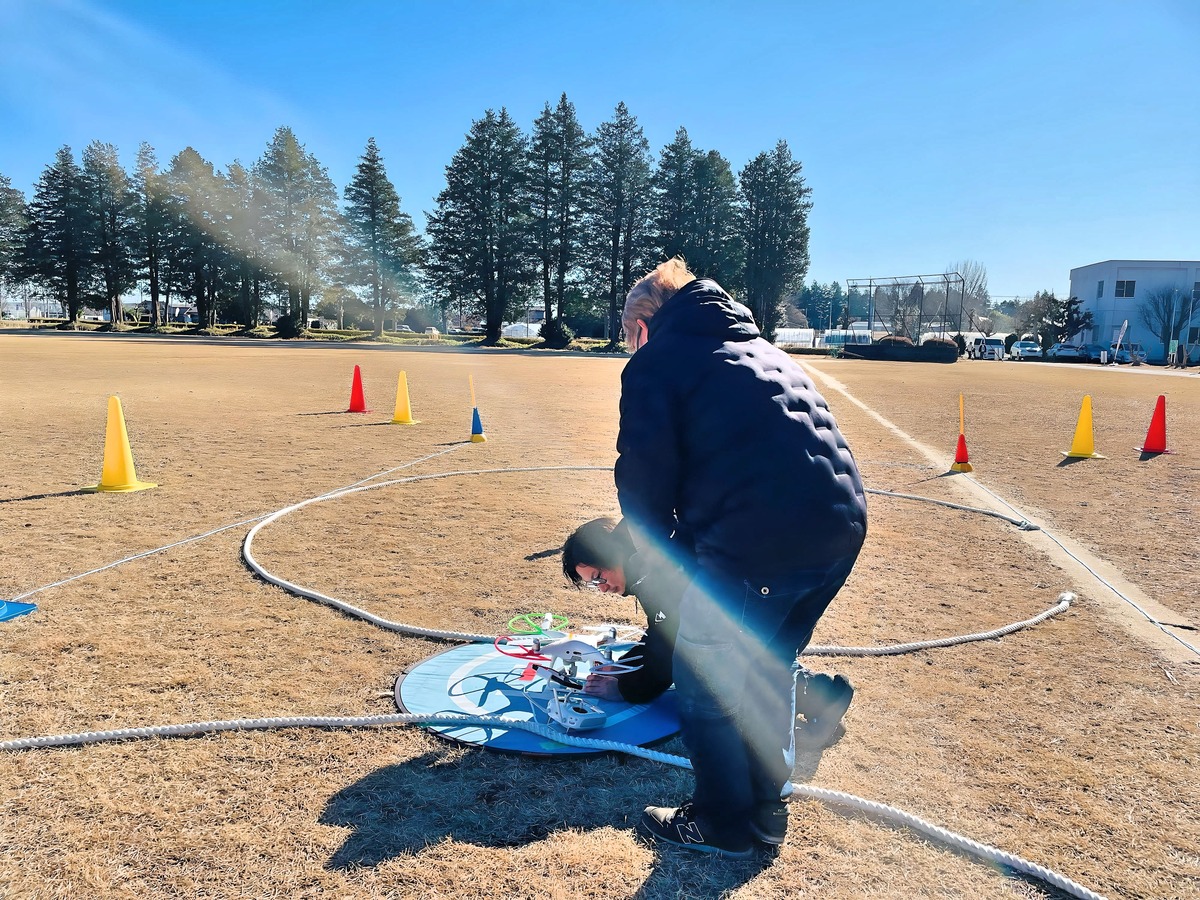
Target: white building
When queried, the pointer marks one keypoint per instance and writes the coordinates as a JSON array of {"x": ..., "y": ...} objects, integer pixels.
[{"x": 1114, "y": 291}]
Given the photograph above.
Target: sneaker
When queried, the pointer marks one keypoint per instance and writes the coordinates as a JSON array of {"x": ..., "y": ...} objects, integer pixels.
[
  {"x": 768, "y": 824},
  {"x": 675, "y": 825},
  {"x": 821, "y": 727}
]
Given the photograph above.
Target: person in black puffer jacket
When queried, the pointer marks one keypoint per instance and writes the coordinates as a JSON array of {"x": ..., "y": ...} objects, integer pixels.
[{"x": 726, "y": 440}]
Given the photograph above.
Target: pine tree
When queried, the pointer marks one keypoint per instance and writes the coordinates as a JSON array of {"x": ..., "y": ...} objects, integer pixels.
[
  {"x": 620, "y": 200},
  {"x": 559, "y": 160},
  {"x": 1075, "y": 320},
  {"x": 480, "y": 234},
  {"x": 110, "y": 223},
  {"x": 775, "y": 205},
  {"x": 543, "y": 153},
  {"x": 383, "y": 248},
  {"x": 713, "y": 248},
  {"x": 13, "y": 218},
  {"x": 150, "y": 225},
  {"x": 303, "y": 224},
  {"x": 244, "y": 240},
  {"x": 54, "y": 252},
  {"x": 675, "y": 196},
  {"x": 196, "y": 211}
]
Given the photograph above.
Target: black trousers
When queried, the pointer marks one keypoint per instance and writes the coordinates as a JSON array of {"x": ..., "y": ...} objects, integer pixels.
[{"x": 735, "y": 676}]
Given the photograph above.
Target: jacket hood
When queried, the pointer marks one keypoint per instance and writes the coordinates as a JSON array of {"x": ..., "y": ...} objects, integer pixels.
[{"x": 702, "y": 308}]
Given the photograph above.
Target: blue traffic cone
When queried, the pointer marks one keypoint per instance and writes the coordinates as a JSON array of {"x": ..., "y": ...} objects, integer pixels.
[{"x": 477, "y": 436}]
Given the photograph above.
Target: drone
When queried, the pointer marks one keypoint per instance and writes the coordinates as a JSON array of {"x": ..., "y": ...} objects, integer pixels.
[{"x": 554, "y": 655}]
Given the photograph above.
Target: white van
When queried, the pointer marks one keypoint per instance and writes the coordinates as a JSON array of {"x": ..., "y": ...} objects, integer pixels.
[
  {"x": 1129, "y": 353},
  {"x": 986, "y": 348}
]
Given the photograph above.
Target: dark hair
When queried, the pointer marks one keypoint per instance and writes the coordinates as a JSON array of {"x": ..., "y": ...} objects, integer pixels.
[{"x": 602, "y": 543}]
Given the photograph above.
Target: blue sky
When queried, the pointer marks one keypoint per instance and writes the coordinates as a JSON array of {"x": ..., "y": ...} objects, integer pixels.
[{"x": 1032, "y": 137}]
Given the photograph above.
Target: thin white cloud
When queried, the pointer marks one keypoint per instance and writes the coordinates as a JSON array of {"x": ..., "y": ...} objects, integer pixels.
[{"x": 89, "y": 70}]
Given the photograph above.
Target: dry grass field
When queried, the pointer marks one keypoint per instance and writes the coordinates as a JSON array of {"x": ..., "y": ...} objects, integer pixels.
[{"x": 1074, "y": 744}]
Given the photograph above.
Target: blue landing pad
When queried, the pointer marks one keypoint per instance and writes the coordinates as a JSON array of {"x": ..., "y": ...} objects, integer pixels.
[
  {"x": 478, "y": 680},
  {"x": 11, "y": 609}
]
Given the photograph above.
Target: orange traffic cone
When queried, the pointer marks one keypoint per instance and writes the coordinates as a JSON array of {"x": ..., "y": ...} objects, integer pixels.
[
  {"x": 961, "y": 464},
  {"x": 1156, "y": 437},
  {"x": 358, "y": 403}
]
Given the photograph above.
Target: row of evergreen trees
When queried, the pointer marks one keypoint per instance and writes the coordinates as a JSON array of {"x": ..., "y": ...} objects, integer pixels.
[{"x": 557, "y": 217}]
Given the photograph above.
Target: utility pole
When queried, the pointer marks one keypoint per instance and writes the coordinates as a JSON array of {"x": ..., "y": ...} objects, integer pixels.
[{"x": 1172, "y": 320}]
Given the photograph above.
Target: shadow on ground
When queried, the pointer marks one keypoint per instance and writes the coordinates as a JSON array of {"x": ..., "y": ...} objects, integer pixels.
[
  {"x": 485, "y": 799},
  {"x": 494, "y": 800}
]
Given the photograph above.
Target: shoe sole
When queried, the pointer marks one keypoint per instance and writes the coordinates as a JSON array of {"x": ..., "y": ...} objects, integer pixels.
[
  {"x": 697, "y": 848},
  {"x": 772, "y": 840},
  {"x": 764, "y": 837}
]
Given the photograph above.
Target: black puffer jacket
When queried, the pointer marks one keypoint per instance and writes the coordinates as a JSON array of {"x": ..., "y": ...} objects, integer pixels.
[{"x": 725, "y": 439}]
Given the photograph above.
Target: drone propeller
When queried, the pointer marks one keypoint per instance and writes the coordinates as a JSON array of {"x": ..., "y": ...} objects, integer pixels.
[
  {"x": 548, "y": 624},
  {"x": 515, "y": 645},
  {"x": 614, "y": 633}
]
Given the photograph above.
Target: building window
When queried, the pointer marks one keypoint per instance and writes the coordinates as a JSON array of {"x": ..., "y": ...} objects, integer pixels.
[
  {"x": 1125, "y": 288},
  {"x": 1100, "y": 289},
  {"x": 1196, "y": 291}
]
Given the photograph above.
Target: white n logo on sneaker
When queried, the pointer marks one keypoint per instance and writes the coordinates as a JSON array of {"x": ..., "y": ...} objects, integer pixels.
[{"x": 690, "y": 833}]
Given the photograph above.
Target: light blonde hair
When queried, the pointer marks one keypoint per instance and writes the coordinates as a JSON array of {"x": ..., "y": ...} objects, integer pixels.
[{"x": 652, "y": 290}]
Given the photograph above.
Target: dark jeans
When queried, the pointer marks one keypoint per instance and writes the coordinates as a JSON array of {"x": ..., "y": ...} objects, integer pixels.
[{"x": 735, "y": 677}]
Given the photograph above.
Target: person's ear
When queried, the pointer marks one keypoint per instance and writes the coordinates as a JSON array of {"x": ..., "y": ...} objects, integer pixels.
[{"x": 643, "y": 332}]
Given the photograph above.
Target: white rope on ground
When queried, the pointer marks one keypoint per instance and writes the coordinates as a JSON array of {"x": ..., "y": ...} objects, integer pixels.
[
  {"x": 199, "y": 537},
  {"x": 404, "y": 628},
  {"x": 1022, "y": 523},
  {"x": 355, "y": 611},
  {"x": 949, "y": 838},
  {"x": 1129, "y": 600},
  {"x": 1064, "y": 603},
  {"x": 831, "y": 798},
  {"x": 142, "y": 555},
  {"x": 192, "y": 729}
]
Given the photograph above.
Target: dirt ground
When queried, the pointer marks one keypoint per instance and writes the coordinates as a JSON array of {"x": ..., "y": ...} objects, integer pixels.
[{"x": 1073, "y": 743}]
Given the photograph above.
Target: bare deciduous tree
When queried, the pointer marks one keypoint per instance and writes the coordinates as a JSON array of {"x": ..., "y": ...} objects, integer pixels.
[{"x": 1165, "y": 311}]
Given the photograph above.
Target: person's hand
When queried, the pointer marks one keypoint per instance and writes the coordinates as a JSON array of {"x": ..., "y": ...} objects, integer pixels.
[{"x": 602, "y": 686}]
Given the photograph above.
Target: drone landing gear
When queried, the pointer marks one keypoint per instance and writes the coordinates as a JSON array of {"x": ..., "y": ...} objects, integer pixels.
[{"x": 571, "y": 712}]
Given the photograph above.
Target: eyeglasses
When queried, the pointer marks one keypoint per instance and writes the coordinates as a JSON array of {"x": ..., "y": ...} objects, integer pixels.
[{"x": 597, "y": 581}]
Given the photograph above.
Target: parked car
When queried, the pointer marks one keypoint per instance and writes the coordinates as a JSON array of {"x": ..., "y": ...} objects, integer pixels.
[
  {"x": 432, "y": 332},
  {"x": 1025, "y": 350},
  {"x": 1093, "y": 351},
  {"x": 404, "y": 328},
  {"x": 1066, "y": 353},
  {"x": 1127, "y": 353},
  {"x": 986, "y": 348}
]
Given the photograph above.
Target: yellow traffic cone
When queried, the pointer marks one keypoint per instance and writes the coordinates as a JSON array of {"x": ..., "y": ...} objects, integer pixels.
[
  {"x": 403, "y": 414},
  {"x": 1084, "y": 444},
  {"x": 118, "y": 473}
]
